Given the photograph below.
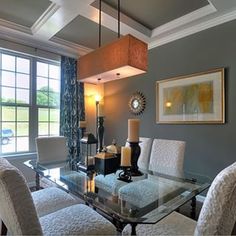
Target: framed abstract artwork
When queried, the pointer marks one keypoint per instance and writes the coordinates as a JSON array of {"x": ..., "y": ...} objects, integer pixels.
[{"x": 196, "y": 98}]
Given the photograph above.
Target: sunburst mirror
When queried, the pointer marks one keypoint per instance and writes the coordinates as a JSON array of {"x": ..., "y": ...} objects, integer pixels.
[{"x": 137, "y": 103}]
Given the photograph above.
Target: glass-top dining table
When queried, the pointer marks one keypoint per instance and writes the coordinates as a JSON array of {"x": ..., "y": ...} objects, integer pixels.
[{"x": 145, "y": 200}]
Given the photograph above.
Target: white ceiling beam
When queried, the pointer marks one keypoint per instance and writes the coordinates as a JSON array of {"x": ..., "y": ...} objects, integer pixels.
[
  {"x": 62, "y": 12},
  {"x": 25, "y": 37}
]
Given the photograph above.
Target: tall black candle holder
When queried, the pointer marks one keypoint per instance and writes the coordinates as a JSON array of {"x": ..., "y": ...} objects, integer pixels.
[
  {"x": 100, "y": 132},
  {"x": 135, "y": 153},
  {"x": 125, "y": 174}
]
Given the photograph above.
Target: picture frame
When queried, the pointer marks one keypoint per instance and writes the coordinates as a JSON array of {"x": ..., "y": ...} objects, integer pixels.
[{"x": 191, "y": 99}]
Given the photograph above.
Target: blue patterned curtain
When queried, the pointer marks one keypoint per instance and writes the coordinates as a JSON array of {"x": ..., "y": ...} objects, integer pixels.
[{"x": 72, "y": 106}]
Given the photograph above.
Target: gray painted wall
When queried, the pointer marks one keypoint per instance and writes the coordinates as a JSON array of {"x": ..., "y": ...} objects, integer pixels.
[{"x": 209, "y": 148}]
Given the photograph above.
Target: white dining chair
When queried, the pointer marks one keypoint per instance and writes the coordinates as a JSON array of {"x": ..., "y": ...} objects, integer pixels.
[
  {"x": 51, "y": 199},
  {"x": 18, "y": 212},
  {"x": 217, "y": 216},
  {"x": 51, "y": 150},
  {"x": 110, "y": 184},
  {"x": 167, "y": 157}
]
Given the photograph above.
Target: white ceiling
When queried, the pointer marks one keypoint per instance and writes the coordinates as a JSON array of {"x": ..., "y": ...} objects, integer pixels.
[{"x": 69, "y": 27}]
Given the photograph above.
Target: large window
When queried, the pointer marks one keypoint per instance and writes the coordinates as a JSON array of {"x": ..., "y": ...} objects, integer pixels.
[
  {"x": 29, "y": 101},
  {"x": 48, "y": 98}
]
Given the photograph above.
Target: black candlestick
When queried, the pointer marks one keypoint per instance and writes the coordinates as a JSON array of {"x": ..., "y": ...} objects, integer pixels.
[
  {"x": 125, "y": 174},
  {"x": 135, "y": 152},
  {"x": 97, "y": 103},
  {"x": 100, "y": 131}
]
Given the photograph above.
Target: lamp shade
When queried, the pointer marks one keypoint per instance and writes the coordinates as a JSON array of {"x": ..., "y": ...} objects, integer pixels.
[{"x": 124, "y": 57}]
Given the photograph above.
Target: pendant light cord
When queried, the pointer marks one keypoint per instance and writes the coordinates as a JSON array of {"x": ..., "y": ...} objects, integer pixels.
[
  {"x": 100, "y": 24},
  {"x": 118, "y": 18}
]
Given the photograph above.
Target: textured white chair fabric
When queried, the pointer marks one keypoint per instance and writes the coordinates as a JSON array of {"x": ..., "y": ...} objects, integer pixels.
[
  {"x": 110, "y": 184},
  {"x": 217, "y": 217},
  {"x": 76, "y": 220},
  {"x": 51, "y": 199},
  {"x": 18, "y": 212},
  {"x": 145, "y": 192},
  {"x": 218, "y": 214},
  {"x": 167, "y": 157},
  {"x": 174, "y": 224},
  {"x": 51, "y": 149}
]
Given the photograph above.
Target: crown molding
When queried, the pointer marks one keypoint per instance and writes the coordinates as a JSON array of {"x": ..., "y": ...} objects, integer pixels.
[
  {"x": 81, "y": 50},
  {"x": 181, "y": 21},
  {"x": 13, "y": 26},
  {"x": 50, "y": 11},
  {"x": 193, "y": 29},
  {"x": 66, "y": 49}
]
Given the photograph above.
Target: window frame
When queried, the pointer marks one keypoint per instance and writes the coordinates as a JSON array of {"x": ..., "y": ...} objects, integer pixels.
[{"x": 33, "y": 107}]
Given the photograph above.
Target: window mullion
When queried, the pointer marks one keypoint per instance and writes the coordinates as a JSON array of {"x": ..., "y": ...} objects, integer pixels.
[{"x": 33, "y": 129}]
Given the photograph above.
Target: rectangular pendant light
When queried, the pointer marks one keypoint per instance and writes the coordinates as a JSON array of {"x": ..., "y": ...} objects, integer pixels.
[{"x": 124, "y": 57}]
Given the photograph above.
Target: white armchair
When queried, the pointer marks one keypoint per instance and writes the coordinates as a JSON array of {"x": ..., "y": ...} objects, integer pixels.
[
  {"x": 17, "y": 211},
  {"x": 217, "y": 216}
]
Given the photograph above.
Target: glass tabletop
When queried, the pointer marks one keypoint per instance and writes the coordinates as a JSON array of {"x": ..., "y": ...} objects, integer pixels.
[{"x": 146, "y": 200}]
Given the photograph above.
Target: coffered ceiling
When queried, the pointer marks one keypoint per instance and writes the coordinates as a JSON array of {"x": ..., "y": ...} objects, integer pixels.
[{"x": 70, "y": 27}]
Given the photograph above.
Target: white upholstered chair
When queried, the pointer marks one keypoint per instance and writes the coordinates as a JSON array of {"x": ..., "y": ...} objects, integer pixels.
[
  {"x": 17, "y": 211},
  {"x": 109, "y": 183},
  {"x": 217, "y": 217},
  {"x": 167, "y": 157},
  {"x": 51, "y": 150},
  {"x": 51, "y": 199}
]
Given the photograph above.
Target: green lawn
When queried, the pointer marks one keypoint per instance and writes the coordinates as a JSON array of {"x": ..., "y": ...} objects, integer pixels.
[{"x": 21, "y": 115}]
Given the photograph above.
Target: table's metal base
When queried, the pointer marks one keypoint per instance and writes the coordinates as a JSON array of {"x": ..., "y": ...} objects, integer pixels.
[
  {"x": 3, "y": 229},
  {"x": 37, "y": 181},
  {"x": 193, "y": 209}
]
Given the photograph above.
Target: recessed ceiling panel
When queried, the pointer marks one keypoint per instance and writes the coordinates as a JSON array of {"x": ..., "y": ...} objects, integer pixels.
[
  {"x": 85, "y": 32},
  {"x": 22, "y": 12},
  {"x": 153, "y": 13}
]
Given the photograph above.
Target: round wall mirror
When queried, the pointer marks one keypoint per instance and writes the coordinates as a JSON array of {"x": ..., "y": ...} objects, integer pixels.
[{"x": 137, "y": 103}]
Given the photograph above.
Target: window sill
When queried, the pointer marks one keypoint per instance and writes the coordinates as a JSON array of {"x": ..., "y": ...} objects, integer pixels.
[{"x": 20, "y": 155}]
